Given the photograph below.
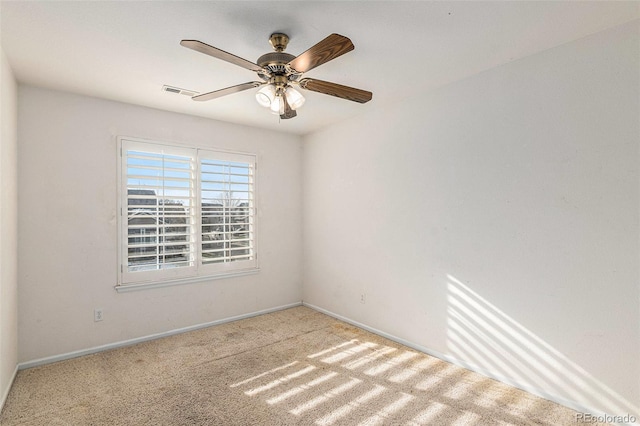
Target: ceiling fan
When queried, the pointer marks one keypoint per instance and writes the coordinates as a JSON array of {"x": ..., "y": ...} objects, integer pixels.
[{"x": 280, "y": 72}]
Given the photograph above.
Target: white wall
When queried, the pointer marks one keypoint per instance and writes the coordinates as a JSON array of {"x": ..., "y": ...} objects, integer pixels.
[
  {"x": 8, "y": 228},
  {"x": 494, "y": 221},
  {"x": 67, "y": 206}
]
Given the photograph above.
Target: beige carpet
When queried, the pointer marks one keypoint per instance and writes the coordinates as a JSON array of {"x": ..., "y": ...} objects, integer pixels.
[{"x": 293, "y": 367}]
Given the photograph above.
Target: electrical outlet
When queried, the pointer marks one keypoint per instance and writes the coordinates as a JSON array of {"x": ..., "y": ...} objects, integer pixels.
[
  {"x": 362, "y": 298},
  {"x": 97, "y": 315}
]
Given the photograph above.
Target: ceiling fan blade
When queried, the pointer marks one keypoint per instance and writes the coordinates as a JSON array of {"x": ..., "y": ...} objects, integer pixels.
[
  {"x": 223, "y": 92},
  {"x": 337, "y": 90},
  {"x": 201, "y": 47},
  {"x": 330, "y": 48}
]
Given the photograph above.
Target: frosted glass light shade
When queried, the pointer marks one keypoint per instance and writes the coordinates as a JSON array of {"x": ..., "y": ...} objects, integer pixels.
[
  {"x": 277, "y": 105},
  {"x": 266, "y": 95},
  {"x": 295, "y": 99}
]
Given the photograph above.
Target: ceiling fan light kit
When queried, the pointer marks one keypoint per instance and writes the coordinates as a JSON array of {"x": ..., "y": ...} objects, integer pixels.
[{"x": 280, "y": 72}]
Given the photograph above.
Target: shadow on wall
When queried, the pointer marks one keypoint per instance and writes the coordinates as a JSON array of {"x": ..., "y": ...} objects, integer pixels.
[{"x": 492, "y": 342}]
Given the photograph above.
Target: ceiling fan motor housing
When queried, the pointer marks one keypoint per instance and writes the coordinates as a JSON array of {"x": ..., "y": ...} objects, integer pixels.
[{"x": 275, "y": 62}]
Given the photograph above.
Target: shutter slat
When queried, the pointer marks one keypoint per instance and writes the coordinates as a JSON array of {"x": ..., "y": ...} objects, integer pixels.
[
  {"x": 226, "y": 250},
  {"x": 166, "y": 179},
  {"x": 227, "y": 258},
  {"x": 210, "y": 242},
  {"x": 207, "y": 176},
  {"x": 165, "y": 244},
  {"x": 158, "y": 157},
  {"x": 165, "y": 257},
  {"x": 159, "y": 168}
]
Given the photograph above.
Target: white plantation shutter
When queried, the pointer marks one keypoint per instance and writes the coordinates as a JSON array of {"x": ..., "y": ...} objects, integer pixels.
[
  {"x": 184, "y": 212},
  {"x": 227, "y": 211}
]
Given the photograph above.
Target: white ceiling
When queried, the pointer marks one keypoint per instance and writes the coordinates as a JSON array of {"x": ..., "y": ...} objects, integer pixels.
[{"x": 126, "y": 51}]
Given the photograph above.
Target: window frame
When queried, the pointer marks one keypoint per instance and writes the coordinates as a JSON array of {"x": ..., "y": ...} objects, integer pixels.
[{"x": 128, "y": 280}]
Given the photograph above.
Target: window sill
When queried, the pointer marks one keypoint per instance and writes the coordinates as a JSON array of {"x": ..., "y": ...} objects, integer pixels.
[{"x": 126, "y": 288}]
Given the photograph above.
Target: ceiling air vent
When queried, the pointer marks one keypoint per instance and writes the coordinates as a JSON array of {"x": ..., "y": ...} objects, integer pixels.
[{"x": 179, "y": 91}]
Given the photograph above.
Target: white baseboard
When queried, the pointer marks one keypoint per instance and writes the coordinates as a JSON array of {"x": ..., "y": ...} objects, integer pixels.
[
  {"x": 499, "y": 377},
  {"x": 96, "y": 349},
  {"x": 5, "y": 392}
]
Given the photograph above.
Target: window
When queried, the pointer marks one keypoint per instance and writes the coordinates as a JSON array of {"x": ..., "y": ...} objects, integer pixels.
[{"x": 185, "y": 213}]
